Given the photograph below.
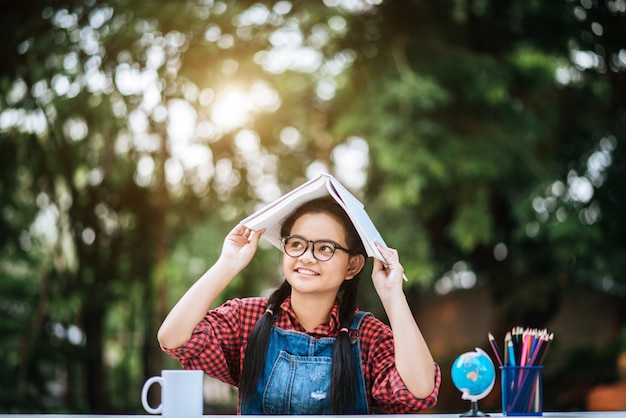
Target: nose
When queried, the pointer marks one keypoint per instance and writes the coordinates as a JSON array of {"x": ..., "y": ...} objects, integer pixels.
[{"x": 309, "y": 254}]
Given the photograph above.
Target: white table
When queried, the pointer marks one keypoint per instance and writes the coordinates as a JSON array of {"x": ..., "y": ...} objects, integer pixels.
[{"x": 612, "y": 414}]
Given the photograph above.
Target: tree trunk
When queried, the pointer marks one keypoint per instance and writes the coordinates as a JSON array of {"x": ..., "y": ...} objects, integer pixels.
[{"x": 93, "y": 323}]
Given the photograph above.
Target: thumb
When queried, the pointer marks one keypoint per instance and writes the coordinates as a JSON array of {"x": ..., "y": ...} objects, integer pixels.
[{"x": 378, "y": 265}]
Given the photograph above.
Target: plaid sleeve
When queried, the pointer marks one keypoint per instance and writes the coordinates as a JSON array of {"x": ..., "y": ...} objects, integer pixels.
[
  {"x": 215, "y": 345},
  {"x": 388, "y": 391}
]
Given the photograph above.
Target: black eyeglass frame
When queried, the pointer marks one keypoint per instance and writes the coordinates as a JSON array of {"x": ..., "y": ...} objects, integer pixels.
[{"x": 331, "y": 243}]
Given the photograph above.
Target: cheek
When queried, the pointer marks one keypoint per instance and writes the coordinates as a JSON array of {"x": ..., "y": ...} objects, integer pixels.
[{"x": 287, "y": 262}]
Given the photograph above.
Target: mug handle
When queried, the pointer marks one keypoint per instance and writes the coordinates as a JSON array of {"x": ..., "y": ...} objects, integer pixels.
[{"x": 144, "y": 395}]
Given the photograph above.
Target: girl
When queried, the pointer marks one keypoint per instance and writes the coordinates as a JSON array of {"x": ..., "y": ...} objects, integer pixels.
[{"x": 307, "y": 349}]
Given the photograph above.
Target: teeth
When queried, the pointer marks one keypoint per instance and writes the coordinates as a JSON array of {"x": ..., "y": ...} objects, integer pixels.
[{"x": 307, "y": 272}]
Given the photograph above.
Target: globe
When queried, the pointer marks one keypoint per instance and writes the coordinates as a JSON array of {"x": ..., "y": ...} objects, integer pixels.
[{"x": 474, "y": 374}]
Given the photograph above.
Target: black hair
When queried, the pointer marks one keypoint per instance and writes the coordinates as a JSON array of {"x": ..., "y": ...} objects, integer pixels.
[{"x": 344, "y": 366}]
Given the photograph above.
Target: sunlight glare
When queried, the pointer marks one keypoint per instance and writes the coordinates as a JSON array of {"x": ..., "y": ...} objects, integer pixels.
[
  {"x": 281, "y": 59},
  {"x": 230, "y": 109},
  {"x": 182, "y": 121},
  {"x": 264, "y": 97},
  {"x": 267, "y": 188},
  {"x": 585, "y": 59},
  {"x": 459, "y": 277},
  {"x": 233, "y": 107},
  {"x": 351, "y": 161},
  {"x": 174, "y": 171},
  {"x": 316, "y": 168},
  {"x": 145, "y": 170},
  {"x": 290, "y": 136},
  {"x": 256, "y": 15},
  {"x": 248, "y": 142},
  {"x": 580, "y": 188}
]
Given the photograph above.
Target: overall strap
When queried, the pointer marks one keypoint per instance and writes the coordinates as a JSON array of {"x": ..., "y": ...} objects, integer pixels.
[{"x": 356, "y": 325}]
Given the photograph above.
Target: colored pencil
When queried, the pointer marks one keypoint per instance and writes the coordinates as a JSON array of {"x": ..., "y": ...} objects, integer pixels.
[
  {"x": 545, "y": 350},
  {"x": 511, "y": 349},
  {"x": 496, "y": 349},
  {"x": 523, "y": 347}
]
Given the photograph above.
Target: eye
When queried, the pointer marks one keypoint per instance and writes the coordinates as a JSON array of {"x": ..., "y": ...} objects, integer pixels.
[
  {"x": 295, "y": 243},
  {"x": 325, "y": 247}
]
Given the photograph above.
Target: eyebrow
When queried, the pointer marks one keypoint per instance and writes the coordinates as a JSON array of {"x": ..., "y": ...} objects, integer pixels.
[{"x": 315, "y": 240}]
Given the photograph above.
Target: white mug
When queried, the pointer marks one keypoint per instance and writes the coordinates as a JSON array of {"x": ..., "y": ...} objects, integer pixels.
[{"x": 181, "y": 394}]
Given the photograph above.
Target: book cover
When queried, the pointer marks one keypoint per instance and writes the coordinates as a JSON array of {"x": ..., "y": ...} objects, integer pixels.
[{"x": 271, "y": 216}]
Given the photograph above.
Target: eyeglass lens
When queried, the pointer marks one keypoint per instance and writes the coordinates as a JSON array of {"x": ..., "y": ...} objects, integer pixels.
[{"x": 323, "y": 250}]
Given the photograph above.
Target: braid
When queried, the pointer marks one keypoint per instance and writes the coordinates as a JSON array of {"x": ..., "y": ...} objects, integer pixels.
[
  {"x": 256, "y": 350},
  {"x": 344, "y": 372}
]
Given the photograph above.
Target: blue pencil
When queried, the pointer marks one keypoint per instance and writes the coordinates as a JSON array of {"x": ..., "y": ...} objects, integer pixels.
[{"x": 511, "y": 350}]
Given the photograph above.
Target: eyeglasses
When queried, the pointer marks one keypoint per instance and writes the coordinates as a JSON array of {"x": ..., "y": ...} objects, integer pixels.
[{"x": 322, "y": 249}]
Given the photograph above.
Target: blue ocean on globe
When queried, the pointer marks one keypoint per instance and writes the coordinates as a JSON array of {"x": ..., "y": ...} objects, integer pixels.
[{"x": 474, "y": 374}]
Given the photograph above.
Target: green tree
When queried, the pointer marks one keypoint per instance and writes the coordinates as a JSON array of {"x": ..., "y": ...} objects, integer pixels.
[
  {"x": 134, "y": 134},
  {"x": 121, "y": 133},
  {"x": 495, "y": 133}
]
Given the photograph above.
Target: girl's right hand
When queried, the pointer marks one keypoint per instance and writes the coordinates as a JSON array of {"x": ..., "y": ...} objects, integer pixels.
[{"x": 240, "y": 246}]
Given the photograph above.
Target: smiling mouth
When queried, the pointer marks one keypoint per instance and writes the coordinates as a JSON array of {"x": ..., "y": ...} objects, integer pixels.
[{"x": 306, "y": 272}]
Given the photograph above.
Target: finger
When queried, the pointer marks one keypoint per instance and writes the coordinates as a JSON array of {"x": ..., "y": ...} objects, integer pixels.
[
  {"x": 239, "y": 229},
  {"x": 378, "y": 265},
  {"x": 256, "y": 235},
  {"x": 389, "y": 254}
]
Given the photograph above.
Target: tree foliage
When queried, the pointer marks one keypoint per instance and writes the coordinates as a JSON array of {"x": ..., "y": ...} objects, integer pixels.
[{"x": 134, "y": 134}]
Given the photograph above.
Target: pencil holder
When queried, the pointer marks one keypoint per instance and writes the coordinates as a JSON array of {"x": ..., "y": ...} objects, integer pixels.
[{"x": 522, "y": 390}]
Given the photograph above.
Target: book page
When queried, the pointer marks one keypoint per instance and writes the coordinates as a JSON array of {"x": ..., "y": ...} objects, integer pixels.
[
  {"x": 361, "y": 220},
  {"x": 272, "y": 215}
]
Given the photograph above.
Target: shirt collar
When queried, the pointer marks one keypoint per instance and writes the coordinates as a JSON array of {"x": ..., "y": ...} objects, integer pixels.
[{"x": 329, "y": 328}]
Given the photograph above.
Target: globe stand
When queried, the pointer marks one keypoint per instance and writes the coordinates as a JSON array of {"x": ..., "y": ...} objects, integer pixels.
[{"x": 474, "y": 412}]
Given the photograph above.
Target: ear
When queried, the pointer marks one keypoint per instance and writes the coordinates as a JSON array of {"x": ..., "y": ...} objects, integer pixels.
[{"x": 355, "y": 265}]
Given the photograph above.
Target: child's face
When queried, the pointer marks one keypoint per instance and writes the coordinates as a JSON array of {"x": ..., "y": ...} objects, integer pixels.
[{"x": 305, "y": 273}]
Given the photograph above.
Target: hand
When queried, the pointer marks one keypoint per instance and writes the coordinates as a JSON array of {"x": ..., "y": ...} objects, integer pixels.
[
  {"x": 238, "y": 249},
  {"x": 240, "y": 245},
  {"x": 387, "y": 276}
]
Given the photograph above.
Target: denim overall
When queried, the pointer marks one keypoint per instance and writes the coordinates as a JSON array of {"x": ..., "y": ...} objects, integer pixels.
[{"x": 297, "y": 381}]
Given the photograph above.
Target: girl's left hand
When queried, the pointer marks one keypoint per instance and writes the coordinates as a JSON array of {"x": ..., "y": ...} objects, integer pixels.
[{"x": 387, "y": 276}]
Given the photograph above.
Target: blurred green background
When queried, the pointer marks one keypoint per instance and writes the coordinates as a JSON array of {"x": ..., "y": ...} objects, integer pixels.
[{"x": 485, "y": 137}]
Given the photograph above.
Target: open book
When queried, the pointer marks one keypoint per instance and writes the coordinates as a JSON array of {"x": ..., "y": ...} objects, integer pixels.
[{"x": 271, "y": 216}]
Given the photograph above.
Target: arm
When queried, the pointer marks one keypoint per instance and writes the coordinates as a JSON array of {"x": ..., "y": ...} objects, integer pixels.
[
  {"x": 414, "y": 362},
  {"x": 238, "y": 249}
]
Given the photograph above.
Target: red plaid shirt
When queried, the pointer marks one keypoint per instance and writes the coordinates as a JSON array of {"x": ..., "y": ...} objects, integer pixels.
[{"x": 218, "y": 342}]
